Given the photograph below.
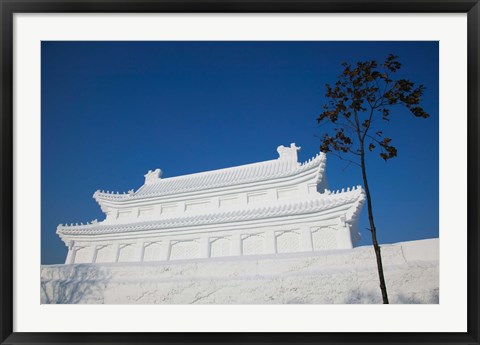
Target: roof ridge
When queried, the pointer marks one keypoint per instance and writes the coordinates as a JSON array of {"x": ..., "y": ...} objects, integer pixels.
[{"x": 246, "y": 173}]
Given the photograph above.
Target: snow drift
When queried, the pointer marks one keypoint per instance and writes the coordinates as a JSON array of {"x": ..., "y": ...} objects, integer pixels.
[{"x": 337, "y": 276}]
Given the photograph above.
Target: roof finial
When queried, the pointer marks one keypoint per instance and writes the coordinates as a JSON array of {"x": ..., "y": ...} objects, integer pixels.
[
  {"x": 153, "y": 176},
  {"x": 288, "y": 153}
]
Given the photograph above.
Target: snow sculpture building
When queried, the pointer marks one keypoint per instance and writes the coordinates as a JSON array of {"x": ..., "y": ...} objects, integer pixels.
[{"x": 270, "y": 207}]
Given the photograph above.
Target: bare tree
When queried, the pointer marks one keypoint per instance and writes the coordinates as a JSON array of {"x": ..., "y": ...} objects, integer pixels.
[{"x": 358, "y": 104}]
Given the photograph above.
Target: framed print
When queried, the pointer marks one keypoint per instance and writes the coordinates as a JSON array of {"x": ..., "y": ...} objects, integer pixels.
[{"x": 260, "y": 172}]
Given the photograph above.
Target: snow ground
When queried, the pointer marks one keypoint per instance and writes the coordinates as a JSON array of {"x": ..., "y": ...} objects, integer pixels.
[{"x": 340, "y": 276}]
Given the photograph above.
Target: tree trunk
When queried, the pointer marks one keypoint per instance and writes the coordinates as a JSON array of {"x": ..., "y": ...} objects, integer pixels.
[{"x": 376, "y": 247}]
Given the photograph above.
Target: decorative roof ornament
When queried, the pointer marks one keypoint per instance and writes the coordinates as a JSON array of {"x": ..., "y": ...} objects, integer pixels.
[
  {"x": 288, "y": 153},
  {"x": 285, "y": 165},
  {"x": 153, "y": 176}
]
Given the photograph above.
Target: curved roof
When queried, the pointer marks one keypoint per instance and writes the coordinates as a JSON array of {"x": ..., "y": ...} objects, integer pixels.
[
  {"x": 242, "y": 174},
  {"x": 328, "y": 201}
]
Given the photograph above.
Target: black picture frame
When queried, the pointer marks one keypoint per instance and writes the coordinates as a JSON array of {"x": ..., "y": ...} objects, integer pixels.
[{"x": 9, "y": 8}]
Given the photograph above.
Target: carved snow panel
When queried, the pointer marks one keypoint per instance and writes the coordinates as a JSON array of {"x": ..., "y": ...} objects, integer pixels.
[
  {"x": 312, "y": 189},
  {"x": 145, "y": 212},
  {"x": 124, "y": 214},
  {"x": 127, "y": 253},
  {"x": 197, "y": 206},
  {"x": 228, "y": 201},
  {"x": 168, "y": 208},
  {"x": 324, "y": 239},
  {"x": 153, "y": 252},
  {"x": 184, "y": 250},
  {"x": 253, "y": 245},
  {"x": 83, "y": 255},
  {"x": 220, "y": 247},
  {"x": 256, "y": 198},
  {"x": 288, "y": 242},
  {"x": 286, "y": 193},
  {"x": 105, "y": 254}
]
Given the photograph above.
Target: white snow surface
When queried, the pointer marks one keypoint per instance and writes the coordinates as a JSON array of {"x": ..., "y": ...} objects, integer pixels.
[{"x": 337, "y": 276}]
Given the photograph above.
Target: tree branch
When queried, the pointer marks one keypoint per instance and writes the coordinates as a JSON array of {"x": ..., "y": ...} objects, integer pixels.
[
  {"x": 354, "y": 152},
  {"x": 373, "y": 138},
  {"x": 344, "y": 159}
]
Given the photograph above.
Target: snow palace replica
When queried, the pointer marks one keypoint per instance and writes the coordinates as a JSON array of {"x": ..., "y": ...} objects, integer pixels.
[{"x": 270, "y": 207}]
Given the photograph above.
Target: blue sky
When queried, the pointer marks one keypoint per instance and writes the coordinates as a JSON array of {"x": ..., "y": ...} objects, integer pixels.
[{"x": 113, "y": 110}]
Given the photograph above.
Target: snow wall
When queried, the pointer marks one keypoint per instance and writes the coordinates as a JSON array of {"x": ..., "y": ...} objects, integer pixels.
[{"x": 340, "y": 276}]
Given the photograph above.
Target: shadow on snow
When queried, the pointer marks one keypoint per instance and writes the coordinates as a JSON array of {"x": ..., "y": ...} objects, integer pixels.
[{"x": 73, "y": 284}]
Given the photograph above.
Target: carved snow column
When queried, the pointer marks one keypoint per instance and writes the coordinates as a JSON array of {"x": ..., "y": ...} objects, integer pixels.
[
  {"x": 112, "y": 214},
  {"x": 136, "y": 212},
  {"x": 344, "y": 238},
  {"x": 140, "y": 251},
  {"x": 307, "y": 243},
  {"x": 272, "y": 195},
  {"x": 165, "y": 250},
  {"x": 236, "y": 244},
  {"x": 181, "y": 208},
  {"x": 303, "y": 189},
  {"x": 72, "y": 250},
  {"x": 205, "y": 247},
  {"x": 270, "y": 242},
  {"x": 243, "y": 199},
  {"x": 70, "y": 257},
  {"x": 94, "y": 253},
  {"x": 116, "y": 252}
]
